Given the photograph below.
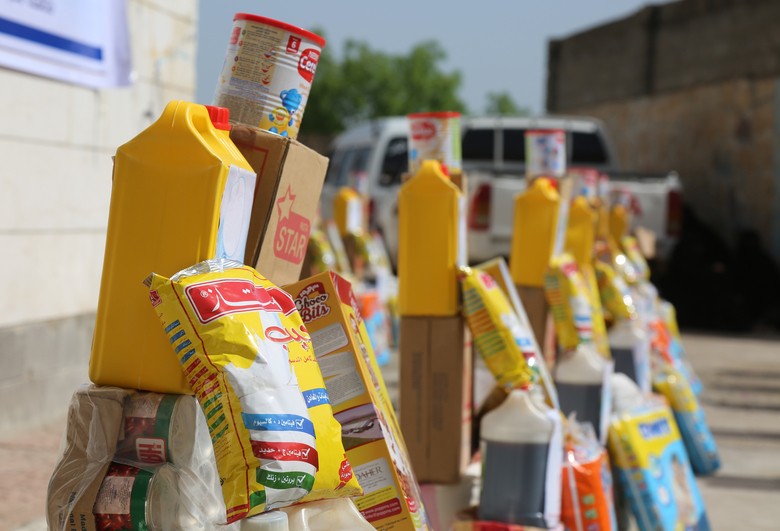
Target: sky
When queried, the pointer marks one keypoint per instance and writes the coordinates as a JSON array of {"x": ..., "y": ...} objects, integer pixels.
[{"x": 497, "y": 45}]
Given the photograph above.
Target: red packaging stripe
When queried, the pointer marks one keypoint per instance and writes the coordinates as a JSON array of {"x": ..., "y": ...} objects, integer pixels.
[{"x": 279, "y": 451}]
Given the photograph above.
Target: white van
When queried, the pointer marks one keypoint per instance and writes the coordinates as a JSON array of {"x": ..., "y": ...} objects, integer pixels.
[{"x": 372, "y": 157}]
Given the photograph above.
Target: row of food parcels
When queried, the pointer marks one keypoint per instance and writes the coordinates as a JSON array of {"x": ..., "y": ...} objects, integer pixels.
[
  {"x": 606, "y": 313},
  {"x": 202, "y": 200},
  {"x": 290, "y": 392},
  {"x": 643, "y": 344}
]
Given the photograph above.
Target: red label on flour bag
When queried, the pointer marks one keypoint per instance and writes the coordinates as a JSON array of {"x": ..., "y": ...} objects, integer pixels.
[{"x": 214, "y": 299}]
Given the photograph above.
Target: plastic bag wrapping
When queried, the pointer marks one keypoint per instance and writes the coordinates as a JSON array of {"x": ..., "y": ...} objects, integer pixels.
[
  {"x": 651, "y": 464},
  {"x": 696, "y": 434},
  {"x": 117, "y": 466},
  {"x": 94, "y": 424},
  {"x": 249, "y": 359},
  {"x": 161, "y": 428},
  {"x": 499, "y": 337},
  {"x": 326, "y": 515},
  {"x": 587, "y": 500}
]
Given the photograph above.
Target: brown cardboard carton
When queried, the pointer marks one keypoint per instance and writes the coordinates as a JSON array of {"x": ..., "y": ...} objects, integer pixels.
[
  {"x": 287, "y": 194},
  {"x": 357, "y": 392},
  {"x": 94, "y": 424},
  {"x": 435, "y": 396}
]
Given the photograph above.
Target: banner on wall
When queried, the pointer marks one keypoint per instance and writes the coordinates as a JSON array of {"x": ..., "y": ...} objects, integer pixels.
[{"x": 84, "y": 42}]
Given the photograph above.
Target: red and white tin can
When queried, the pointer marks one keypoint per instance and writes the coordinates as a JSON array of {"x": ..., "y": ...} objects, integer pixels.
[
  {"x": 436, "y": 136},
  {"x": 131, "y": 498},
  {"x": 545, "y": 153},
  {"x": 267, "y": 75},
  {"x": 160, "y": 428}
]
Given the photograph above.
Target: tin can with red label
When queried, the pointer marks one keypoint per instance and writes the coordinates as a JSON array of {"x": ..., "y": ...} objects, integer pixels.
[
  {"x": 160, "y": 428},
  {"x": 434, "y": 135},
  {"x": 545, "y": 153},
  {"x": 267, "y": 75},
  {"x": 130, "y": 498}
]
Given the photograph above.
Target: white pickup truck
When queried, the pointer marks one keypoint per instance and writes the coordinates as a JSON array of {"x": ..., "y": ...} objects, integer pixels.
[{"x": 372, "y": 156}]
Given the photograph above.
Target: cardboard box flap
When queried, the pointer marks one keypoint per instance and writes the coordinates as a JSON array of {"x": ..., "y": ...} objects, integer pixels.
[{"x": 290, "y": 178}]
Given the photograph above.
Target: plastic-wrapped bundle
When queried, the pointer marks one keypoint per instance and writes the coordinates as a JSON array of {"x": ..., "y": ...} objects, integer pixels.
[
  {"x": 135, "y": 459},
  {"x": 587, "y": 499},
  {"x": 651, "y": 463},
  {"x": 696, "y": 434}
]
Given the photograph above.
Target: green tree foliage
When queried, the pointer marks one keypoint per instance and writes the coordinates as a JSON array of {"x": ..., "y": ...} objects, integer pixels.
[
  {"x": 502, "y": 104},
  {"x": 367, "y": 83}
]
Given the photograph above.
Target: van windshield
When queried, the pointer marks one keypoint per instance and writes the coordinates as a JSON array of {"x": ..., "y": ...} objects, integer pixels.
[{"x": 348, "y": 167}]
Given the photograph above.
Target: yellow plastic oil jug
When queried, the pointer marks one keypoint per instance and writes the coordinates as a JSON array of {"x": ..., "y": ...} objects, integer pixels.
[
  {"x": 618, "y": 223},
  {"x": 533, "y": 237},
  {"x": 580, "y": 231},
  {"x": 431, "y": 243},
  {"x": 580, "y": 242},
  {"x": 182, "y": 193},
  {"x": 348, "y": 211}
]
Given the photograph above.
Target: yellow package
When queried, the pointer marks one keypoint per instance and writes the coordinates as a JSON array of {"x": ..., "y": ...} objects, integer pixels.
[
  {"x": 504, "y": 344},
  {"x": 243, "y": 349},
  {"x": 498, "y": 269},
  {"x": 567, "y": 293},
  {"x": 614, "y": 293},
  {"x": 600, "y": 339},
  {"x": 652, "y": 467},
  {"x": 631, "y": 248},
  {"x": 370, "y": 430}
]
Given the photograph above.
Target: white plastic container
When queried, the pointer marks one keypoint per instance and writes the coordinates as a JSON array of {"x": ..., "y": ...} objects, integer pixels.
[
  {"x": 270, "y": 521},
  {"x": 326, "y": 515},
  {"x": 630, "y": 347},
  {"x": 522, "y": 454},
  {"x": 582, "y": 380}
]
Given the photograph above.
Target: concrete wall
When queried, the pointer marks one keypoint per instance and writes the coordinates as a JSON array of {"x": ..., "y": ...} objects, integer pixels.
[
  {"x": 690, "y": 86},
  {"x": 56, "y": 144},
  {"x": 719, "y": 137}
]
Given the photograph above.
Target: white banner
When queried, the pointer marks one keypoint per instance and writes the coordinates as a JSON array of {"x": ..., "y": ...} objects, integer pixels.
[{"x": 85, "y": 42}]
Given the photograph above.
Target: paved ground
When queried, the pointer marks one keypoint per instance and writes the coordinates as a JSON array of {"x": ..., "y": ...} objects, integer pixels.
[{"x": 741, "y": 398}]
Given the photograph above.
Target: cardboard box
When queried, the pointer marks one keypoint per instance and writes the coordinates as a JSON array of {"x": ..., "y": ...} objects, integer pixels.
[
  {"x": 287, "y": 194},
  {"x": 357, "y": 392},
  {"x": 436, "y": 395}
]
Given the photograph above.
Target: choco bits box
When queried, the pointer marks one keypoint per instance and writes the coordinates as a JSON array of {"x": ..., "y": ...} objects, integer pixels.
[
  {"x": 370, "y": 431},
  {"x": 287, "y": 194}
]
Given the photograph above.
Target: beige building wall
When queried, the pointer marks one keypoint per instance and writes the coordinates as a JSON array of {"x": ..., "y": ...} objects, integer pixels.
[
  {"x": 721, "y": 139},
  {"x": 56, "y": 144}
]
